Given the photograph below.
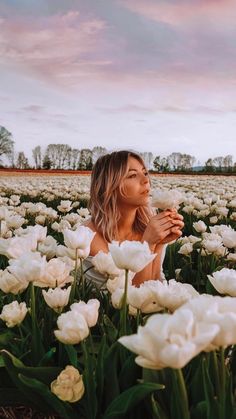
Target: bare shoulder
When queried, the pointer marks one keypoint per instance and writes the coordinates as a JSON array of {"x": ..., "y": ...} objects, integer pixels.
[{"x": 98, "y": 243}]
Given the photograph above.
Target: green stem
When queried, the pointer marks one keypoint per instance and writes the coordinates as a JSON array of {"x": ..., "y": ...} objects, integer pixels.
[
  {"x": 216, "y": 371},
  {"x": 92, "y": 347},
  {"x": 33, "y": 319},
  {"x": 88, "y": 377},
  {"x": 183, "y": 394},
  {"x": 73, "y": 288},
  {"x": 82, "y": 277},
  {"x": 138, "y": 317},
  {"x": 223, "y": 382},
  {"x": 123, "y": 330}
]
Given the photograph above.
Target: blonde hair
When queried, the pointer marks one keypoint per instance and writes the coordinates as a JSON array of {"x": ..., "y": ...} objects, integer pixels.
[{"x": 106, "y": 182}]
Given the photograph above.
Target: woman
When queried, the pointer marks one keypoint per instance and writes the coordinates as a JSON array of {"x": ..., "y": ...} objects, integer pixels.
[{"x": 120, "y": 210}]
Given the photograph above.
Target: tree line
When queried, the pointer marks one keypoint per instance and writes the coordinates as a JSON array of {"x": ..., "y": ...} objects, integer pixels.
[{"x": 65, "y": 157}]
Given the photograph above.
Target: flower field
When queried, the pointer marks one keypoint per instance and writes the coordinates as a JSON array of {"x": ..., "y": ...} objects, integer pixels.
[{"x": 77, "y": 349}]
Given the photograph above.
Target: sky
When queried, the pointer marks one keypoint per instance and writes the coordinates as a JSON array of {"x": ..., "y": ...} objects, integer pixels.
[{"x": 149, "y": 75}]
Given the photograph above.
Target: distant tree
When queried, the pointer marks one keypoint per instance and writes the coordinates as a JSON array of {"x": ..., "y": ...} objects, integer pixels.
[
  {"x": 58, "y": 155},
  {"x": 218, "y": 163},
  {"x": 161, "y": 164},
  {"x": 6, "y": 143},
  {"x": 147, "y": 158},
  {"x": 186, "y": 162},
  {"x": 47, "y": 164},
  {"x": 174, "y": 161},
  {"x": 98, "y": 152},
  {"x": 37, "y": 155},
  {"x": 228, "y": 163},
  {"x": 22, "y": 161},
  {"x": 209, "y": 165},
  {"x": 85, "y": 161},
  {"x": 73, "y": 158}
]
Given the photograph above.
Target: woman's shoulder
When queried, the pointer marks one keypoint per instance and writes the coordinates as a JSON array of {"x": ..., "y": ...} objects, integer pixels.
[{"x": 98, "y": 243}]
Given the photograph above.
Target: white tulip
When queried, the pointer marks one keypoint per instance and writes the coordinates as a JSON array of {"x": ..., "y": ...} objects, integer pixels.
[
  {"x": 4, "y": 212},
  {"x": 89, "y": 310},
  {"x": 60, "y": 227},
  {"x": 166, "y": 199},
  {"x": 211, "y": 245},
  {"x": 83, "y": 212},
  {"x": 144, "y": 298},
  {"x": 214, "y": 310},
  {"x": 231, "y": 257},
  {"x": 69, "y": 385},
  {"x": 71, "y": 253},
  {"x": 40, "y": 219},
  {"x": 72, "y": 328},
  {"x": 119, "y": 281},
  {"x": 79, "y": 239},
  {"x": 38, "y": 232},
  {"x": 213, "y": 220},
  {"x": 200, "y": 226},
  {"x": 229, "y": 239},
  {"x": 14, "y": 313},
  {"x": 172, "y": 294},
  {"x": 48, "y": 247},
  {"x": 169, "y": 340},
  {"x": 224, "y": 281},
  {"x": 104, "y": 264},
  {"x": 57, "y": 274},
  {"x": 223, "y": 211},
  {"x": 57, "y": 298},
  {"x": 9, "y": 283},
  {"x": 186, "y": 249},
  {"x": 116, "y": 298},
  {"x": 131, "y": 255},
  {"x": 14, "y": 221},
  {"x": 15, "y": 247},
  {"x": 65, "y": 206},
  {"x": 30, "y": 267}
]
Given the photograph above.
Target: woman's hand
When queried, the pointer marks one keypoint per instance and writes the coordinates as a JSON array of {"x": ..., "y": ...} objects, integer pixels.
[{"x": 163, "y": 228}]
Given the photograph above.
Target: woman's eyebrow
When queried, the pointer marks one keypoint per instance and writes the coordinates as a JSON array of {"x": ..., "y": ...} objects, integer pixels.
[{"x": 135, "y": 170}]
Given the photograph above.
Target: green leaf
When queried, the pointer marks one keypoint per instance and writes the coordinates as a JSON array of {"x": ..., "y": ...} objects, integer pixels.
[
  {"x": 111, "y": 365},
  {"x": 34, "y": 400},
  {"x": 110, "y": 328},
  {"x": 62, "y": 408},
  {"x": 100, "y": 371},
  {"x": 72, "y": 355},
  {"x": 45, "y": 374},
  {"x": 199, "y": 411},
  {"x": 5, "y": 338},
  {"x": 130, "y": 372},
  {"x": 127, "y": 400},
  {"x": 47, "y": 357},
  {"x": 212, "y": 403}
]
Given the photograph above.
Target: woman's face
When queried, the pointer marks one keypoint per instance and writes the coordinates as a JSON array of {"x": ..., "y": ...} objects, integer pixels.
[{"x": 135, "y": 185}]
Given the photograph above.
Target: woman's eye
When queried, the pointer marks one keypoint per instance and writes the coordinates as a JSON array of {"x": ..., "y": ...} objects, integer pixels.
[
  {"x": 146, "y": 173},
  {"x": 132, "y": 176}
]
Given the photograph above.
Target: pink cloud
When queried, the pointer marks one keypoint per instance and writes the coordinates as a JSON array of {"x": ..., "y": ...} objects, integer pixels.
[
  {"x": 61, "y": 47},
  {"x": 182, "y": 11}
]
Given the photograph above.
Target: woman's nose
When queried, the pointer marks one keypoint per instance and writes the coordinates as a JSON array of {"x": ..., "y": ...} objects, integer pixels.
[{"x": 145, "y": 179}]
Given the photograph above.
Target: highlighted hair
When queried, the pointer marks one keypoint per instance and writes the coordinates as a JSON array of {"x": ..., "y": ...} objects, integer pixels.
[{"x": 106, "y": 181}]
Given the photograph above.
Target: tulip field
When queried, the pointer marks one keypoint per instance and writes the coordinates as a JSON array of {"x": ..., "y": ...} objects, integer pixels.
[{"x": 72, "y": 348}]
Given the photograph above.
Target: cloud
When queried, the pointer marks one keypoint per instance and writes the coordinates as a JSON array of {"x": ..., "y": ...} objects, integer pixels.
[
  {"x": 181, "y": 11},
  {"x": 34, "y": 108},
  {"x": 60, "y": 47}
]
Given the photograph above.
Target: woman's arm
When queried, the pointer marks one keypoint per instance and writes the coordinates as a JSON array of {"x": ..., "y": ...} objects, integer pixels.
[
  {"x": 152, "y": 270},
  {"x": 163, "y": 228}
]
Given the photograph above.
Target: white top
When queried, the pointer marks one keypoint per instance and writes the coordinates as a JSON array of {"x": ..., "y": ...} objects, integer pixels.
[{"x": 99, "y": 280}]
